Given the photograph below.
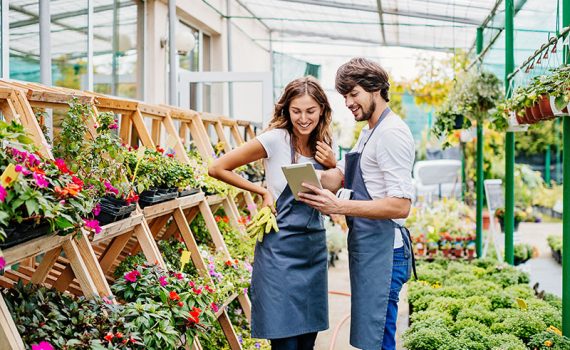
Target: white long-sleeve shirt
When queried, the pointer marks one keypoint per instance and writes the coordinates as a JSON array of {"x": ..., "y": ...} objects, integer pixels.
[{"x": 387, "y": 162}]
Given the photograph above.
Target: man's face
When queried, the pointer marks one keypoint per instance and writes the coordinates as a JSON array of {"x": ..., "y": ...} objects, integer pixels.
[{"x": 360, "y": 103}]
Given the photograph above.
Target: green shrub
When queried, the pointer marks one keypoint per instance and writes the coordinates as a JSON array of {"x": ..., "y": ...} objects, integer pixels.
[
  {"x": 484, "y": 263},
  {"x": 427, "y": 337},
  {"x": 500, "y": 300},
  {"x": 505, "y": 341},
  {"x": 523, "y": 324},
  {"x": 478, "y": 300},
  {"x": 506, "y": 275},
  {"x": 549, "y": 340},
  {"x": 432, "y": 316},
  {"x": 416, "y": 290},
  {"x": 478, "y": 313},
  {"x": 549, "y": 314},
  {"x": 450, "y": 305},
  {"x": 472, "y": 338},
  {"x": 469, "y": 323},
  {"x": 554, "y": 301},
  {"x": 522, "y": 291}
]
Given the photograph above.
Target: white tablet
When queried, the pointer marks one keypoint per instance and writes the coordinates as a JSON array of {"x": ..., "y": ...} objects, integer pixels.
[{"x": 296, "y": 174}]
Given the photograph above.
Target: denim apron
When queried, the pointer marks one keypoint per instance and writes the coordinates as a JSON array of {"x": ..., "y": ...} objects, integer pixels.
[
  {"x": 289, "y": 279},
  {"x": 371, "y": 250}
]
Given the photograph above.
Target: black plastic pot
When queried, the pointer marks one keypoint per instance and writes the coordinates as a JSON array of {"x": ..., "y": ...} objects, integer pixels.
[
  {"x": 113, "y": 209},
  {"x": 502, "y": 223},
  {"x": 458, "y": 122},
  {"x": 188, "y": 192},
  {"x": 557, "y": 256},
  {"x": 23, "y": 232}
]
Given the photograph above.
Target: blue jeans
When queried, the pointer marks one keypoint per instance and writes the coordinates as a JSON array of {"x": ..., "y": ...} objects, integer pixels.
[{"x": 400, "y": 275}]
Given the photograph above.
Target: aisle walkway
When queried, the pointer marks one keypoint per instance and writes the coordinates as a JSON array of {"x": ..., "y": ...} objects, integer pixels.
[
  {"x": 339, "y": 309},
  {"x": 543, "y": 269}
]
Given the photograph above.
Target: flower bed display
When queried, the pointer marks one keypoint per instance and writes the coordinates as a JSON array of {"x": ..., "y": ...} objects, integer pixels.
[
  {"x": 480, "y": 305},
  {"x": 37, "y": 195},
  {"x": 555, "y": 243},
  {"x": 444, "y": 228}
]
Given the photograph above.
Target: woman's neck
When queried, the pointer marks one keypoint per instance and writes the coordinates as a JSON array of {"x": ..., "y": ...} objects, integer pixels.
[{"x": 302, "y": 145}]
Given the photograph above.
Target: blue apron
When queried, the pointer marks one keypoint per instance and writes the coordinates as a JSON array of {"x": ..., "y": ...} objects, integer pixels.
[
  {"x": 371, "y": 250},
  {"x": 289, "y": 279}
]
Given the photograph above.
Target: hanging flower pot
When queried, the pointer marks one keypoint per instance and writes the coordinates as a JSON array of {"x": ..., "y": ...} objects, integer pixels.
[
  {"x": 545, "y": 108},
  {"x": 536, "y": 114},
  {"x": 529, "y": 116}
]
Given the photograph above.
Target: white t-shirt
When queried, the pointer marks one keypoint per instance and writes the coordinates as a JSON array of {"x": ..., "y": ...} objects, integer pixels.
[
  {"x": 277, "y": 144},
  {"x": 387, "y": 162}
]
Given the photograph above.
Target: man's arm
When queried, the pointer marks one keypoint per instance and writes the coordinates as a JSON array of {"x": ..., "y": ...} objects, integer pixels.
[
  {"x": 331, "y": 179},
  {"x": 327, "y": 203}
]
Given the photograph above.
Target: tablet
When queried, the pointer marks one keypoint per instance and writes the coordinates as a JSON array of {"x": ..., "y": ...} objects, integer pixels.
[{"x": 296, "y": 174}]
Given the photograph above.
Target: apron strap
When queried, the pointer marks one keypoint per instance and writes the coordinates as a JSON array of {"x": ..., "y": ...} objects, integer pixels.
[{"x": 409, "y": 236}]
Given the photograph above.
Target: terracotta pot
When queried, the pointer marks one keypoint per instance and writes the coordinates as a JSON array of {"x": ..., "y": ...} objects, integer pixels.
[
  {"x": 521, "y": 118},
  {"x": 421, "y": 252},
  {"x": 535, "y": 109},
  {"x": 446, "y": 252},
  {"x": 556, "y": 111},
  {"x": 528, "y": 115},
  {"x": 544, "y": 106},
  {"x": 470, "y": 253},
  {"x": 486, "y": 221}
]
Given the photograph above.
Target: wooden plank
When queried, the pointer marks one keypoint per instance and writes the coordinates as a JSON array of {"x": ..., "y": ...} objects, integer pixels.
[
  {"x": 156, "y": 125},
  {"x": 148, "y": 245},
  {"x": 229, "y": 331},
  {"x": 245, "y": 304},
  {"x": 191, "y": 245},
  {"x": 213, "y": 228},
  {"x": 222, "y": 136},
  {"x": 160, "y": 209},
  {"x": 222, "y": 307},
  {"x": 190, "y": 201},
  {"x": 119, "y": 227},
  {"x": 214, "y": 199},
  {"x": 34, "y": 247},
  {"x": 45, "y": 266},
  {"x": 126, "y": 128},
  {"x": 113, "y": 250},
  {"x": 93, "y": 267},
  {"x": 79, "y": 268},
  {"x": 9, "y": 336},
  {"x": 114, "y": 103},
  {"x": 144, "y": 135}
]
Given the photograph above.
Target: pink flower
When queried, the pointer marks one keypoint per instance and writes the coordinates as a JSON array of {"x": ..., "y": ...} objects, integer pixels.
[
  {"x": 97, "y": 209},
  {"x": 110, "y": 188},
  {"x": 198, "y": 291},
  {"x": 3, "y": 194},
  {"x": 41, "y": 181},
  {"x": 192, "y": 284},
  {"x": 162, "y": 280},
  {"x": 179, "y": 276},
  {"x": 23, "y": 170},
  {"x": 60, "y": 164},
  {"x": 2, "y": 263},
  {"x": 92, "y": 225},
  {"x": 132, "y": 276},
  {"x": 42, "y": 346},
  {"x": 251, "y": 207},
  {"x": 113, "y": 126},
  {"x": 214, "y": 307}
]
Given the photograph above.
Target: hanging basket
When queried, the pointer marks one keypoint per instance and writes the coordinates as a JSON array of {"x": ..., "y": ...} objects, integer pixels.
[{"x": 545, "y": 107}]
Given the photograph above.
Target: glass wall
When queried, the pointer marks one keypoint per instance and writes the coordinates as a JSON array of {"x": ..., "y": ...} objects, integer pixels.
[
  {"x": 69, "y": 43},
  {"x": 24, "y": 40},
  {"x": 116, "y": 46}
]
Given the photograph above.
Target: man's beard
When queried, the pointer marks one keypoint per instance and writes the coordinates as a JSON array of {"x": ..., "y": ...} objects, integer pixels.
[{"x": 368, "y": 114}]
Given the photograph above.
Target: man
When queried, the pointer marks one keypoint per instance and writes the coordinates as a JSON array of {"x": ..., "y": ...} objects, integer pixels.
[{"x": 377, "y": 174}]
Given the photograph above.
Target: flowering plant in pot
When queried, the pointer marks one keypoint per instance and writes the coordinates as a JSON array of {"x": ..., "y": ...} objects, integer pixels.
[
  {"x": 209, "y": 185},
  {"x": 98, "y": 159},
  {"x": 38, "y": 195}
]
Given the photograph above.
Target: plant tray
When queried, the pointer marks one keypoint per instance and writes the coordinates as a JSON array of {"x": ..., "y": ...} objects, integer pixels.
[
  {"x": 188, "y": 192},
  {"x": 20, "y": 233},
  {"x": 110, "y": 214}
]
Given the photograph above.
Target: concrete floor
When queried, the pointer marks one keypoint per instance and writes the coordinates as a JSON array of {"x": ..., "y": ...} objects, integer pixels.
[{"x": 542, "y": 269}]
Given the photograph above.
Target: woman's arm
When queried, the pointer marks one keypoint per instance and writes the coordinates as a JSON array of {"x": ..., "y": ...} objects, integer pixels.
[{"x": 222, "y": 168}]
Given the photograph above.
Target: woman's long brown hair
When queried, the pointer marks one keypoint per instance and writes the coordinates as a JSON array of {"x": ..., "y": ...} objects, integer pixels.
[{"x": 282, "y": 119}]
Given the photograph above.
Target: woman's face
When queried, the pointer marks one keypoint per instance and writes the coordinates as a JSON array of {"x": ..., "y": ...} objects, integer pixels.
[{"x": 305, "y": 113}]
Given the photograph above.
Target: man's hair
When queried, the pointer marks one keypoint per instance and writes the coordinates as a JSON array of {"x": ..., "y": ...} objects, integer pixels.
[{"x": 361, "y": 71}]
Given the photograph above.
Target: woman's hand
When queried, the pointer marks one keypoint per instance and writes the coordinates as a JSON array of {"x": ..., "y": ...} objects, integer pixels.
[
  {"x": 325, "y": 155},
  {"x": 268, "y": 201}
]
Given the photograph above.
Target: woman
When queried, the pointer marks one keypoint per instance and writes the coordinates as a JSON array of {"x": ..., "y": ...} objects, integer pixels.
[{"x": 289, "y": 281}]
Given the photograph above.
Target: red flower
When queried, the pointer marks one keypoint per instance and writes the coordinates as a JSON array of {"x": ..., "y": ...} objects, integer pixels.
[
  {"x": 174, "y": 296},
  {"x": 160, "y": 149},
  {"x": 119, "y": 335},
  {"x": 77, "y": 181},
  {"x": 226, "y": 219},
  {"x": 60, "y": 164},
  {"x": 178, "y": 276},
  {"x": 198, "y": 291},
  {"x": 229, "y": 263},
  {"x": 214, "y": 307},
  {"x": 218, "y": 219},
  {"x": 109, "y": 337},
  {"x": 180, "y": 304},
  {"x": 209, "y": 289},
  {"x": 195, "y": 315},
  {"x": 192, "y": 284}
]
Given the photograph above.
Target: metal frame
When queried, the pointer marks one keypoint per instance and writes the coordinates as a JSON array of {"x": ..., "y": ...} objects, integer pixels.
[
  {"x": 5, "y": 41},
  {"x": 374, "y": 9}
]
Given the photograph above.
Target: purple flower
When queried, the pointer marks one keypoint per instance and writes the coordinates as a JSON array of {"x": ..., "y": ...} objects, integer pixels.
[
  {"x": 162, "y": 280},
  {"x": 245, "y": 291},
  {"x": 97, "y": 210},
  {"x": 3, "y": 194},
  {"x": 257, "y": 345},
  {"x": 41, "y": 181},
  {"x": 248, "y": 266},
  {"x": 93, "y": 225},
  {"x": 42, "y": 346},
  {"x": 240, "y": 339},
  {"x": 33, "y": 160}
]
